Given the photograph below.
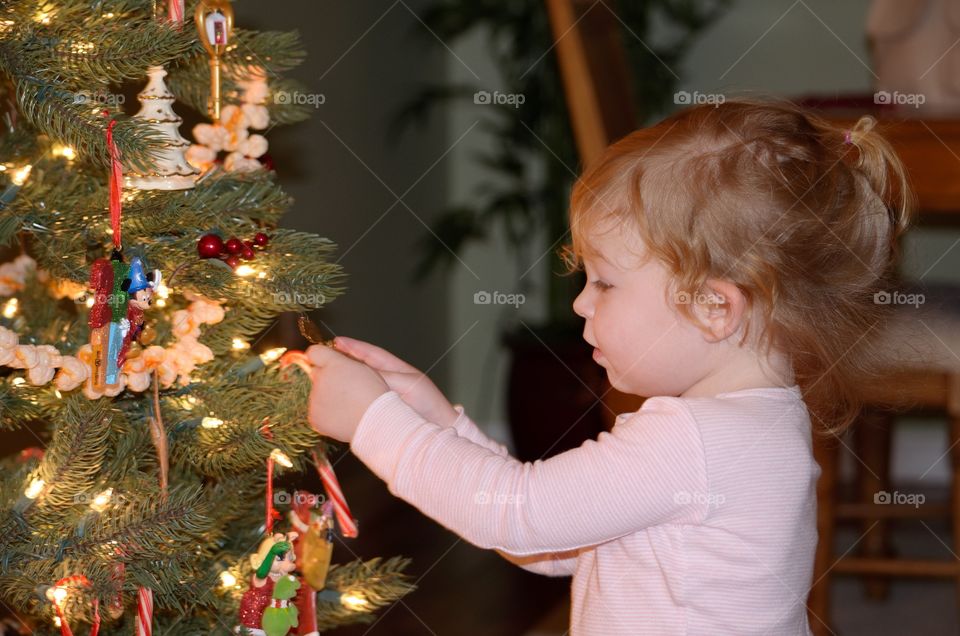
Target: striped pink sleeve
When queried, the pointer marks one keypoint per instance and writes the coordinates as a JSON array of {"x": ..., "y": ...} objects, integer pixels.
[
  {"x": 466, "y": 429},
  {"x": 631, "y": 478},
  {"x": 549, "y": 564}
]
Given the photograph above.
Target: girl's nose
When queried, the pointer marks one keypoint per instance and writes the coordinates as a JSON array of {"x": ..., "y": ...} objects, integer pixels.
[{"x": 581, "y": 307}]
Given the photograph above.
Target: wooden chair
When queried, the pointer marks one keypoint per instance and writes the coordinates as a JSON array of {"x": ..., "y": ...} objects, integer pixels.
[{"x": 596, "y": 82}]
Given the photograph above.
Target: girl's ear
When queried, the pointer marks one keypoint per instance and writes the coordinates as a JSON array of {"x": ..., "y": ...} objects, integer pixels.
[{"x": 720, "y": 309}]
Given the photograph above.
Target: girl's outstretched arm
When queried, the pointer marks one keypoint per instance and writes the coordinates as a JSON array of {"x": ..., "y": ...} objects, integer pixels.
[{"x": 649, "y": 470}]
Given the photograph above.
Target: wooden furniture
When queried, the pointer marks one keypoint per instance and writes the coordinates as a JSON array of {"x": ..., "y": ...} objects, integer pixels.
[
  {"x": 591, "y": 61},
  {"x": 906, "y": 390},
  {"x": 596, "y": 79}
]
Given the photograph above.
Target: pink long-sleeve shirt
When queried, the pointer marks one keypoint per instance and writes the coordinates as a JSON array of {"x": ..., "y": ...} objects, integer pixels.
[{"x": 691, "y": 516}]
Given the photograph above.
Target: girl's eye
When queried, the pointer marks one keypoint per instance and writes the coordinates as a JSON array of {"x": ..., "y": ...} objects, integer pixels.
[{"x": 602, "y": 286}]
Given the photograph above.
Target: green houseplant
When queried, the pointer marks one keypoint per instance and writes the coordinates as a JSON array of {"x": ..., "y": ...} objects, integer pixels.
[{"x": 532, "y": 165}]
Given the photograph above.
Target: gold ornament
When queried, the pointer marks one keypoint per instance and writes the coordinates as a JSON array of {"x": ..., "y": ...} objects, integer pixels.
[
  {"x": 214, "y": 20},
  {"x": 317, "y": 552}
]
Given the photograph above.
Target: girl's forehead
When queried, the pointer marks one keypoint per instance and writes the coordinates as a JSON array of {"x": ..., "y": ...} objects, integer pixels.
[{"x": 616, "y": 247}]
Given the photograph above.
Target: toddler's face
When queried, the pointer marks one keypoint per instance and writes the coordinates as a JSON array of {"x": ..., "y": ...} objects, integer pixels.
[{"x": 639, "y": 337}]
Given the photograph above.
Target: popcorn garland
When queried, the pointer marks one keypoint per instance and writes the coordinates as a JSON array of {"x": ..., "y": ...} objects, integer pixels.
[
  {"x": 232, "y": 132},
  {"x": 44, "y": 363}
]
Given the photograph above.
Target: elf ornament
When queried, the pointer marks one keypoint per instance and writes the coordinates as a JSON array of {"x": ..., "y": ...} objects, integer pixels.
[{"x": 266, "y": 608}]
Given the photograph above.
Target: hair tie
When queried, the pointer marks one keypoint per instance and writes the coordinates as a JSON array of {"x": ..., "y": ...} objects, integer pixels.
[{"x": 848, "y": 137}]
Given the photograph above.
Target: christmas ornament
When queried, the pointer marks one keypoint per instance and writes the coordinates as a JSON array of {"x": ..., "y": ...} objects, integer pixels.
[
  {"x": 144, "y": 621},
  {"x": 171, "y": 170},
  {"x": 314, "y": 549},
  {"x": 101, "y": 281},
  {"x": 210, "y": 246},
  {"x": 266, "y": 608},
  {"x": 314, "y": 545},
  {"x": 214, "y": 20},
  {"x": 130, "y": 294},
  {"x": 348, "y": 525},
  {"x": 234, "y": 245},
  {"x": 233, "y": 250}
]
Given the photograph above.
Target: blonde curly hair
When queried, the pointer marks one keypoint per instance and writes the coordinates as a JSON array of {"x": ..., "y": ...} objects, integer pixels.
[{"x": 801, "y": 214}]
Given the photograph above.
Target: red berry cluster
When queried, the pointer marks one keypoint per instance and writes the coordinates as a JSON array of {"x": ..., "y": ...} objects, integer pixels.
[{"x": 231, "y": 251}]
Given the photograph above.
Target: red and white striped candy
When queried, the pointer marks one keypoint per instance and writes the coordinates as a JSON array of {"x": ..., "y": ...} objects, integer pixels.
[
  {"x": 144, "y": 612},
  {"x": 348, "y": 525}
]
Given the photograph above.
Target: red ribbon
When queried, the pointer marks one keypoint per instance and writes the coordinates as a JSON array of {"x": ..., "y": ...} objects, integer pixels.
[
  {"x": 116, "y": 185},
  {"x": 78, "y": 580}
]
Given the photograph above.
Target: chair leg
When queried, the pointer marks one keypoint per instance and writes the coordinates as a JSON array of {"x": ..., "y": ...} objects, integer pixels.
[
  {"x": 953, "y": 413},
  {"x": 818, "y": 603},
  {"x": 872, "y": 444}
]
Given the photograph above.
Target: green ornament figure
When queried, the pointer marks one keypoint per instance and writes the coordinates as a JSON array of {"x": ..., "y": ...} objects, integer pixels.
[{"x": 267, "y": 607}]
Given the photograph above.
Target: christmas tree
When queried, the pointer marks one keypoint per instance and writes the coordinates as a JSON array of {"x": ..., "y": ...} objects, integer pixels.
[{"x": 142, "y": 271}]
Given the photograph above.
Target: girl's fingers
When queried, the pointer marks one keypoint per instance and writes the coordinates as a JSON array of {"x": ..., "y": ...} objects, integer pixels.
[{"x": 372, "y": 355}]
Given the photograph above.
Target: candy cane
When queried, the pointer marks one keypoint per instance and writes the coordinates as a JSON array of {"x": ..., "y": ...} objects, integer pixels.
[
  {"x": 78, "y": 580},
  {"x": 175, "y": 11},
  {"x": 348, "y": 525},
  {"x": 144, "y": 626}
]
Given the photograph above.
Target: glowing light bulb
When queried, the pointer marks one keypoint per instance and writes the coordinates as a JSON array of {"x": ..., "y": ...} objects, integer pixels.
[
  {"x": 90, "y": 301},
  {"x": 353, "y": 601},
  {"x": 20, "y": 176},
  {"x": 17, "y": 381},
  {"x": 58, "y": 393},
  {"x": 272, "y": 355},
  {"x": 34, "y": 489},
  {"x": 240, "y": 345},
  {"x": 211, "y": 422},
  {"x": 245, "y": 270},
  {"x": 101, "y": 501},
  {"x": 227, "y": 579},
  {"x": 64, "y": 151},
  {"x": 10, "y": 308},
  {"x": 281, "y": 458}
]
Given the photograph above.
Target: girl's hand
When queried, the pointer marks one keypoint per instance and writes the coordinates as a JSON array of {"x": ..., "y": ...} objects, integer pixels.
[
  {"x": 414, "y": 387},
  {"x": 342, "y": 391}
]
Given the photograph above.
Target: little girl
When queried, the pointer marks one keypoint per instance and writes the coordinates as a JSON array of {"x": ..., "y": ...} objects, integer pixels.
[{"x": 732, "y": 254}]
